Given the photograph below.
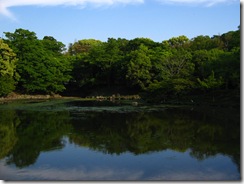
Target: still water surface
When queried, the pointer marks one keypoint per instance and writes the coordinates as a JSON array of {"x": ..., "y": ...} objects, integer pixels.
[{"x": 85, "y": 140}]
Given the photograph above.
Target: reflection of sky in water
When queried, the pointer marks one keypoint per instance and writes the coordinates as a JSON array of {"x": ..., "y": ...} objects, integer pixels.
[{"x": 76, "y": 163}]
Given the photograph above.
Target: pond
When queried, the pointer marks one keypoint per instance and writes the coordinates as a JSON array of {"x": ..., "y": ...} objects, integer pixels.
[{"x": 71, "y": 139}]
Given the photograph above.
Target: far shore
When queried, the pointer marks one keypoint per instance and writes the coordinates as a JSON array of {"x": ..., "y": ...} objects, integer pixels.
[
  {"x": 14, "y": 96},
  {"x": 229, "y": 101},
  {"x": 25, "y": 96}
]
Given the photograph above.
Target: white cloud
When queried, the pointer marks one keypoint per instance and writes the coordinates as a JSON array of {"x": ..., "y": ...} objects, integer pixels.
[
  {"x": 81, "y": 173},
  {"x": 6, "y": 4},
  {"x": 103, "y": 173},
  {"x": 205, "y": 175},
  {"x": 197, "y": 2}
]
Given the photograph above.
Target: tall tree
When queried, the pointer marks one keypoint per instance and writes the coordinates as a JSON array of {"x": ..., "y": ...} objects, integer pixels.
[
  {"x": 8, "y": 75},
  {"x": 138, "y": 68},
  {"x": 40, "y": 70}
]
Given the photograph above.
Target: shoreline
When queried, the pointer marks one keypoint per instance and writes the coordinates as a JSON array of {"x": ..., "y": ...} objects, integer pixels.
[
  {"x": 198, "y": 101},
  {"x": 15, "y": 96}
]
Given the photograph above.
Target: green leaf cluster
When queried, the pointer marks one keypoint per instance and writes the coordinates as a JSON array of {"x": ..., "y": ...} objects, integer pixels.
[
  {"x": 8, "y": 75},
  {"x": 42, "y": 66}
]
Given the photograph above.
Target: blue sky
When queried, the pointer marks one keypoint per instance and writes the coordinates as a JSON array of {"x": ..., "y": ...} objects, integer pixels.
[{"x": 71, "y": 20}]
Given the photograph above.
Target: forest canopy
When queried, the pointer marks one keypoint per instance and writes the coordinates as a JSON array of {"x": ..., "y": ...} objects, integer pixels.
[{"x": 158, "y": 70}]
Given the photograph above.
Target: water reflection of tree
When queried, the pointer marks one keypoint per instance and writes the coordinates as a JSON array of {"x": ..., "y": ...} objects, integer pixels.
[
  {"x": 37, "y": 132},
  {"x": 8, "y": 123},
  {"x": 24, "y": 134},
  {"x": 205, "y": 133}
]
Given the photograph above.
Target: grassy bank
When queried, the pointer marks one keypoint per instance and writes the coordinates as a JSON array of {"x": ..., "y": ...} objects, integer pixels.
[{"x": 16, "y": 96}]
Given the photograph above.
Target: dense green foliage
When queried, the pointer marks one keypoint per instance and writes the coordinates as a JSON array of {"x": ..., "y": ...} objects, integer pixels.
[
  {"x": 42, "y": 66},
  {"x": 159, "y": 71},
  {"x": 7, "y": 69}
]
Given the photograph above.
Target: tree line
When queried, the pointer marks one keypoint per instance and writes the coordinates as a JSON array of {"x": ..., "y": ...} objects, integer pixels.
[{"x": 159, "y": 70}]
